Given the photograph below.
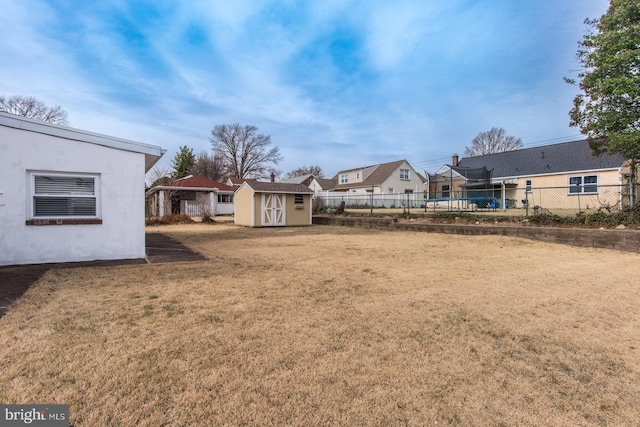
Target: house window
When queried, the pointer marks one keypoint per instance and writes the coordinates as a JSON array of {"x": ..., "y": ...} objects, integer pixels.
[
  {"x": 64, "y": 196},
  {"x": 344, "y": 178},
  {"x": 298, "y": 199},
  {"x": 445, "y": 191},
  {"x": 404, "y": 174},
  {"x": 225, "y": 198},
  {"x": 527, "y": 186},
  {"x": 357, "y": 175},
  {"x": 390, "y": 190},
  {"x": 407, "y": 191},
  {"x": 587, "y": 184}
]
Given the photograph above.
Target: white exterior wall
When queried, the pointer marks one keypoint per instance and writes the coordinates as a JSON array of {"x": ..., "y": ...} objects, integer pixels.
[
  {"x": 393, "y": 181},
  {"x": 224, "y": 209},
  {"x": 121, "y": 200},
  {"x": 401, "y": 185}
]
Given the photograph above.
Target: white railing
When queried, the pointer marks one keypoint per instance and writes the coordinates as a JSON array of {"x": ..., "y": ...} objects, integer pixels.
[{"x": 192, "y": 208}]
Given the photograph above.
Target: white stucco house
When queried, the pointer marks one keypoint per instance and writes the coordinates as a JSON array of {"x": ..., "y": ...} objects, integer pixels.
[{"x": 70, "y": 195}]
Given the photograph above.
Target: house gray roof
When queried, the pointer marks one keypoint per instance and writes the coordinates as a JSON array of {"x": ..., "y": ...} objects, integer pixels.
[
  {"x": 327, "y": 184},
  {"x": 278, "y": 187},
  {"x": 375, "y": 177},
  {"x": 546, "y": 159}
]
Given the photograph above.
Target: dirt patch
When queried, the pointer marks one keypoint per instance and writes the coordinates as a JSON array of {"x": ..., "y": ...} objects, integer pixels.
[{"x": 15, "y": 282}]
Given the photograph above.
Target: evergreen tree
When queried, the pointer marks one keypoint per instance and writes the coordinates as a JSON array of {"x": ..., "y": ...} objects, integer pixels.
[{"x": 182, "y": 162}]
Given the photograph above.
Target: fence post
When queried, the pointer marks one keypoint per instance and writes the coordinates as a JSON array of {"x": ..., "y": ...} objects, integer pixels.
[
  {"x": 408, "y": 206},
  {"x": 371, "y": 208}
]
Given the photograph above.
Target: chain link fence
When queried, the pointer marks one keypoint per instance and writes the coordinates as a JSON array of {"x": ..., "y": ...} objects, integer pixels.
[{"x": 561, "y": 201}]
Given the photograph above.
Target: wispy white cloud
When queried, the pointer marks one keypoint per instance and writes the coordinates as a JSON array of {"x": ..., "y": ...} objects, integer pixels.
[{"x": 333, "y": 82}]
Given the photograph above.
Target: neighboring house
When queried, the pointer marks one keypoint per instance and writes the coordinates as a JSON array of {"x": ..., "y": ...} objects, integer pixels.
[
  {"x": 564, "y": 170},
  {"x": 70, "y": 195},
  {"x": 302, "y": 179},
  {"x": 191, "y": 195},
  {"x": 388, "y": 178},
  {"x": 318, "y": 185},
  {"x": 263, "y": 204}
]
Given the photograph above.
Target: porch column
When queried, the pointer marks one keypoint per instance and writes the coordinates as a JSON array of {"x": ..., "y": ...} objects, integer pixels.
[
  {"x": 213, "y": 203},
  {"x": 161, "y": 203}
]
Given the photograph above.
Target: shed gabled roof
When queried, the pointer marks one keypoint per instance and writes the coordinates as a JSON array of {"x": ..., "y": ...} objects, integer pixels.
[
  {"x": 152, "y": 153},
  {"x": 547, "y": 159},
  {"x": 277, "y": 187}
]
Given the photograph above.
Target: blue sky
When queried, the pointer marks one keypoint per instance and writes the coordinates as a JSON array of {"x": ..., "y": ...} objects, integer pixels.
[{"x": 336, "y": 83}]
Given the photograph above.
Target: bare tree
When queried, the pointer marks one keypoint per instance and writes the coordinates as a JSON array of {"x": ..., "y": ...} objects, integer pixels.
[
  {"x": 158, "y": 175},
  {"x": 30, "y": 107},
  {"x": 209, "y": 165},
  {"x": 493, "y": 141},
  {"x": 314, "y": 170},
  {"x": 244, "y": 152}
]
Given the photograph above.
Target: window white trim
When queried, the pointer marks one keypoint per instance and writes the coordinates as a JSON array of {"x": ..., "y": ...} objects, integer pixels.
[
  {"x": 583, "y": 184},
  {"x": 445, "y": 191},
  {"x": 528, "y": 185},
  {"x": 85, "y": 191},
  {"x": 344, "y": 178},
  {"x": 225, "y": 198},
  {"x": 404, "y": 174}
]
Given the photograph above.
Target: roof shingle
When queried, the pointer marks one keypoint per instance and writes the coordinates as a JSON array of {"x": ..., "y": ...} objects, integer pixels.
[
  {"x": 546, "y": 159},
  {"x": 278, "y": 187}
]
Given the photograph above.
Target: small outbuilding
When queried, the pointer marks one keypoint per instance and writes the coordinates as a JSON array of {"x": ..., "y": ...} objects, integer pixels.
[
  {"x": 269, "y": 204},
  {"x": 70, "y": 195}
]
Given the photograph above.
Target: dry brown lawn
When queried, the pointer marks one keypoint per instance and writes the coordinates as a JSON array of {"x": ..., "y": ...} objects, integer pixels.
[{"x": 335, "y": 326}]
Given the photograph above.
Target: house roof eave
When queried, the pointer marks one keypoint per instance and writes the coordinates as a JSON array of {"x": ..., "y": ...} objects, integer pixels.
[{"x": 152, "y": 153}]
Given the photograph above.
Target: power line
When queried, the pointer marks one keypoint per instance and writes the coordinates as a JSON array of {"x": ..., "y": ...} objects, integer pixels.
[
  {"x": 437, "y": 162},
  {"x": 443, "y": 160}
]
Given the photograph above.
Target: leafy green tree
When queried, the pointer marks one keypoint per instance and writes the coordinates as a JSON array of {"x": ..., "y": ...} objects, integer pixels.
[
  {"x": 182, "y": 162},
  {"x": 244, "y": 152},
  {"x": 314, "y": 170},
  {"x": 608, "y": 110}
]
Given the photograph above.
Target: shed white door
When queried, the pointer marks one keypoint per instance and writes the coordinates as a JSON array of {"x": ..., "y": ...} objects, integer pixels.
[{"x": 273, "y": 209}]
